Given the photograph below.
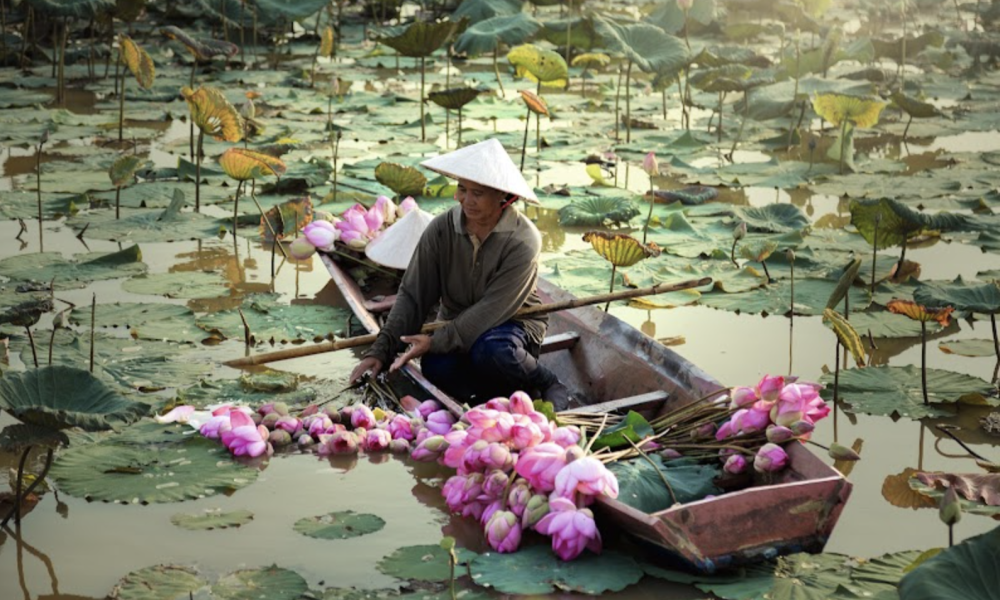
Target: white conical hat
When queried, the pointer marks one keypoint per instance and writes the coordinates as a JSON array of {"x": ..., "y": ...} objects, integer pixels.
[
  {"x": 485, "y": 163},
  {"x": 395, "y": 246}
]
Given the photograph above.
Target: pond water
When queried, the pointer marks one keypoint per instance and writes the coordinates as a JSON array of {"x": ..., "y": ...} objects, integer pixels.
[{"x": 71, "y": 549}]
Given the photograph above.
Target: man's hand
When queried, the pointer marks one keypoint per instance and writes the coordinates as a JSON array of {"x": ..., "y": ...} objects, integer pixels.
[
  {"x": 419, "y": 345},
  {"x": 367, "y": 364}
]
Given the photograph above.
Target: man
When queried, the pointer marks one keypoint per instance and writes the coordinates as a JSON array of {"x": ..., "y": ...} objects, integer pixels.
[{"x": 480, "y": 261}]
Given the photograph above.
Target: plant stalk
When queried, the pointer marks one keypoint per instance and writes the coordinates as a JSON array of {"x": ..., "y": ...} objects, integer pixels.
[
  {"x": 923, "y": 361},
  {"x": 614, "y": 270}
]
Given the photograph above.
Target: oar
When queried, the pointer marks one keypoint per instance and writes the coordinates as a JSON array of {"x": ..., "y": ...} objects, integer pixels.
[{"x": 365, "y": 340}]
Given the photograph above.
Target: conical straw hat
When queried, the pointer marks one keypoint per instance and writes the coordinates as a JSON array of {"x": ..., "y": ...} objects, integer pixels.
[
  {"x": 485, "y": 163},
  {"x": 395, "y": 246}
]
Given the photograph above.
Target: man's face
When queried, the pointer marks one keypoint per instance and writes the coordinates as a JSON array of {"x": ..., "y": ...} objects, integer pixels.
[{"x": 479, "y": 203}]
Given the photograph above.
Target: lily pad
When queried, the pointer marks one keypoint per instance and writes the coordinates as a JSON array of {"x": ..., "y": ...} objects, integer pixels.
[
  {"x": 272, "y": 320},
  {"x": 86, "y": 268},
  {"x": 59, "y": 397},
  {"x": 536, "y": 570},
  {"x": 146, "y": 320},
  {"x": 405, "y": 181},
  {"x": 776, "y": 218},
  {"x": 339, "y": 525},
  {"x": 188, "y": 285},
  {"x": 168, "y": 225},
  {"x": 811, "y": 296},
  {"x": 160, "y": 582},
  {"x": 212, "y": 519},
  {"x": 598, "y": 211},
  {"x": 422, "y": 563},
  {"x": 152, "y": 473},
  {"x": 963, "y": 572},
  {"x": 268, "y": 583},
  {"x": 983, "y": 298},
  {"x": 250, "y": 388},
  {"x": 896, "y": 391},
  {"x": 978, "y": 494},
  {"x": 977, "y": 347},
  {"x": 884, "y": 324}
]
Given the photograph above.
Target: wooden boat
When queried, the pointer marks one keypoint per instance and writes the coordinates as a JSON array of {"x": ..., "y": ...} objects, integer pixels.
[{"x": 615, "y": 367}]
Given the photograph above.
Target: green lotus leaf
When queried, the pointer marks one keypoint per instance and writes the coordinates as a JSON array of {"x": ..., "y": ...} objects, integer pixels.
[
  {"x": 641, "y": 486},
  {"x": 146, "y": 321},
  {"x": 973, "y": 348},
  {"x": 776, "y": 218},
  {"x": 597, "y": 211},
  {"x": 272, "y": 320},
  {"x": 485, "y": 35},
  {"x": 212, "y": 519},
  {"x": 124, "y": 169},
  {"x": 73, "y": 9},
  {"x": 536, "y": 570},
  {"x": 339, "y": 525},
  {"x": 911, "y": 45},
  {"x": 203, "y": 49},
  {"x": 422, "y": 563},
  {"x": 896, "y": 222},
  {"x": 15, "y": 438},
  {"x": 258, "y": 388},
  {"x": 478, "y": 11},
  {"x": 884, "y": 324},
  {"x": 896, "y": 391},
  {"x": 66, "y": 273},
  {"x": 213, "y": 114},
  {"x": 152, "y": 473},
  {"x": 670, "y": 18},
  {"x": 634, "y": 427},
  {"x": 838, "y": 108},
  {"x": 405, "y": 181},
  {"x": 537, "y": 64},
  {"x": 963, "y": 572},
  {"x": 452, "y": 99},
  {"x": 243, "y": 165},
  {"x": 645, "y": 45},
  {"x": 27, "y": 313},
  {"x": 724, "y": 79},
  {"x": 982, "y": 298},
  {"x": 160, "y": 582},
  {"x": 810, "y": 298},
  {"x": 278, "y": 11},
  {"x": 915, "y": 108},
  {"x": 580, "y": 29},
  {"x": 168, "y": 225},
  {"x": 844, "y": 284},
  {"x": 180, "y": 284},
  {"x": 422, "y": 38},
  {"x": 60, "y": 397},
  {"x": 691, "y": 196},
  {"x": 272, "y": 583},
  {"x": 620, "y": 249},
  {"x": 758, "y": 250}
]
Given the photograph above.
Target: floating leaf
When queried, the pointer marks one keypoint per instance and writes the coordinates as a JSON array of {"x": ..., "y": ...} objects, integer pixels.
[
  {"x": 422, "y": 563},
  {"x": 160, "y": 582},
  {"x": 15, "y": 438},
  {"x": 212, "y": 519},
  {"x": 535, "y": 570},
  {"x": 274, "y": 320},
  {"x": 485, "y": 35},
  {"x": 326, "y": 43},
  {"x": 915, "y": 108},
  {"x": 691, "y": 195},
  {"x": 66, "y": 273},
  {"x": 897, "y": 491},
  {"x": 421, "y": 38},
  {"x": 188, "y": 285},
  {"x": 921, "y": 313},
  {"x": 152, "y": 473},
  {"x": 982, "y": 298},
  {"x": 405, "y": 181},
  {"x": 847, "y": 335},
  {"x": 243, "y": 165},
  {"x": 270, "y": 583},
  {"x": 453, "y": 98},
  {"x": 620, "y": 249},
  {"x": 775, "y": 218},
  {"x": 138, "y": 61},
  {"x": 213, "y": 114},
  {"x": 979, "y": 494},
  {"x": 201, "y": 49},
  {"x": 967, "y": 571},
  {"x": 123, "y": 169},
  {"x": 838, "y": 108},
  {"x": 59, "y": 397},
  {"x": 974, "y": 348},
  {"x": 534, "y": 103},
  {"x": 894, "y": 221},
  {"x": 339, "y": 525},
  {"x": 758, "y": 250},
  {"x": 597, "y": 211},
  {"x": 537, "y": 64}
]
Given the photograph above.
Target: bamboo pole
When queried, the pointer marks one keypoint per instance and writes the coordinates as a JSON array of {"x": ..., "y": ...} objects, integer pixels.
[{"x": 365, "y": 340}]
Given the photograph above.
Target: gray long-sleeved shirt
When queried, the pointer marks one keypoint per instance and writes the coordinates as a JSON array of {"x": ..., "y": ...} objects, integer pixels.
[{"x": 479, "y": 285}]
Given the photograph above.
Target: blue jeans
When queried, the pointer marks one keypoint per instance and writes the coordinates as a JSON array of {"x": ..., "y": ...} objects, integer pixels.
[{"x": 502, "y": 361}]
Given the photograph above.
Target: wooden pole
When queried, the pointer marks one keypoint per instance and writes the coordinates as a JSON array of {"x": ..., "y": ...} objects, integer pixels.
[{"x": 365, "y": 340}]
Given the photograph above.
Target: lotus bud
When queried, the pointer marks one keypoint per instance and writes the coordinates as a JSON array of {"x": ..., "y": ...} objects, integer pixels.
[
  {"x": 427, "y": 407},
  {"x": 500, "y": 403},
  {"x": 776, "y": 434},
  {"x": 309, "y": 410},
  {"x": 503, "y": 531},
  {"x": 735, "y": 464},
  {"x": 440, "y": 421},
  {"x": 266, "y": 408},
  {"x": 518, "y": 496},
  {"x": 301, "y": 249},
  {"x": 429, "y": 449},
  {"x": 343, "y": 442},
  {"x": 770, "y": 386},
  {"x": 495, "y": 483},
  {"x": 705, "y": 430},
  {"x": 406, "y": 205},
  {"x": 670, "y": 454},
  {"x": 362, "y": 417},
  {"x": 566, "y": 436},
  {"x": 289, "y": 423},
  {"x": 950, "y": 510},
  {"x": 345, "y": 413},
  {"x": 399, "y": 446},
  {"x": 270, "y": 420},
  {"x": 741, "y": 231},
  {"x": 650, "y": 166},
  {"x": 573, "y": 453},
  {"x": 361, "y": 432},
  {"x": 801, "y": 428},
  {"x": 377, "y": 440},
  {"x": 842, "y": 452},
  {"x": 281, "y": 408},
  {"x": 256, "y": 418},
  {"x": 536, "y": 508},
  {"x": 744, "y": 397},
  {"x": 305, "y": 441},
  {"x": 770, "y": 458},
  {"x": 279, "y": 438},
  {"x": 332, "y": 412}
]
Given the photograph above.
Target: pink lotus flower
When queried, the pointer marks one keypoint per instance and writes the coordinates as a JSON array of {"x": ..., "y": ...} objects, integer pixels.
[
  {"x": 770, "y": 458},
  {"x": 572, "y": 529},
  {"x": 587, "y": 476},
  {"x": 279, "y": 438},
  {"x": 399, "y": 446},
  {"x": 518, "y": 496},
  {"x": 458, "y": 441},
  {"x": 735, "y": 464},
  {"x": 650, "y": 166},
  {"x": 752, "y": 420},
  {"x": 321, "y": 234},
  {"x": 317, "y": 424},
  {"x": 802, "y": 428},
  {"x": 179, "y": 414},
  {"x": 427, "y": 407},
  {"x": 342, "y": 442},
  {"x": 776, "y": 434},
  {"x": 540, "y": 464},
  {"x": 245, "y": 438},
  {"x": 524, "y": 433},
  {"x": 521, "y": 404},
  {"x": 491, "y": 507},
  {"x": 440, "y": 422},
  {"x": 494, "y": 484},
  {"x": 430, "y": 449},
  {"x": 770, "y": 387},
  {"x": 743, "y": 397},
  {"x": 387, "y": 208},
  {"x": 362, "y": 416},
  {"x": 401, "y": 428},
  {"x": 360, "y": 225},
  {"x": 377, "y": 440},
  {"x": 566, "y": 436},
  {"x": 503, "y": 531},
  {"x": 406, "y": 206},
  {"x": 499, "y": 404},
  {"x": 289, "y": 423},
  {"x": 670, "y": 454},
  {"x": 472, "y": 457},
  {"x": 725, "y": 430}
]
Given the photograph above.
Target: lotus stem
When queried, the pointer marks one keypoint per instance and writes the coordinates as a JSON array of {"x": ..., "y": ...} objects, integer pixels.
[
  {"x": 16, "y": 511},
  {"x": 996, "y": 344},
  {"x": 614, "y": 270},
  {"x": 923, "y": 361},
  {"x": 843, "y": 144},
  {"x": 496, "y": 70},
  {"x": 878, "y": 219},
  {"x": 902, "y": 259},
  {"x": 336, "y": 149},
  {"x": 763, "y": 263},
  {"x": 118, "y": 193},
  {"x": 423, "y": 126},
  {"x": 628, "y": 102},
  {"x": 907, "y": 128},
  {"x": 524, "y": 142},
  {"x": 746, "y": 115},
  {"x": 243, "y": 8},
  {"x": 3, "y": 27},
  {"x": 836, "y": 376},
  {"x": 718, "y": 129},
  {"x": 236, "y": 205},
  {"x": 38, "y": 190},
  {"x": 663, "y": 477},
  {"x": 31, "y": 340},
  {"x": 649, "y": 215},
  {"x": 121, "y": 101},
  {"x": 270, "y": 227},
  {"x": 246, "y": 328},
  {"x": 459, "y": 127},
  {"x": 93, "y": 323},
  {"x": 197, "y": 171},
  {"x": 618, "y": 93},
  {"x": 253, "y": 10},
  {"x": 61, "y": 81}
]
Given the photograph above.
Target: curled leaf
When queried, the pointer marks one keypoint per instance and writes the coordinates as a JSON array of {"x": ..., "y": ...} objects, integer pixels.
[
  {"x": 848, "y": 336},
  {"x": 535, "y": 103},
  {"x": 243, "y": 165},
  {"x": 837, "y": 108},
  {"x": 326, "y": 42},
  {"x": 454, "y": 98},
  {"x": 536, "y": 64},
  {"x": 919, "y": 312},
  {"x": 138, "y": 61},
  {"x": 213, "y": 114},
  {"x": 405, "y": 181},
  {"x": 620, "y": 249},
  {"x": 123, "y": 169}
]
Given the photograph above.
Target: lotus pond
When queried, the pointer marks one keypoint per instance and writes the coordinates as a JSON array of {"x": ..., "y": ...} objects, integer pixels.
[{"x": 843, "y": 135}]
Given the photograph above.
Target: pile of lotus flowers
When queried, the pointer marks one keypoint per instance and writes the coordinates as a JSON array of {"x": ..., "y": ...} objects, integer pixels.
[
  {"x": 515, "y": 471},
  {"x": 354, "y": 228}
]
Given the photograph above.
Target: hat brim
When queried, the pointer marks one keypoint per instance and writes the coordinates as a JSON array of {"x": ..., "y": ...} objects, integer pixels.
[{"x": 485, "y": 163}]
